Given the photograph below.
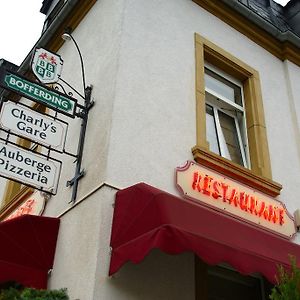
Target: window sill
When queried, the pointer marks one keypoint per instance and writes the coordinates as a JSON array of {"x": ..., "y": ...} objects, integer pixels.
[{"x": 235, "y": 171}]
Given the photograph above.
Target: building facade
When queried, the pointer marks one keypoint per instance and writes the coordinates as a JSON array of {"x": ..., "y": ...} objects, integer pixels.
[{"x": 211, "y": 82}]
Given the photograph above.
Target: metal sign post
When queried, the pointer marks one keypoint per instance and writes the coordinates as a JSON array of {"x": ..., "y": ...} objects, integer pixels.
[
  {"x": 88, "y": 103},
  {"x": 78, "y": 172}
]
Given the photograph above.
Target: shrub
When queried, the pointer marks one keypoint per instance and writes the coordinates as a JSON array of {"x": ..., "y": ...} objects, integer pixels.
[
  {"x": 288, "y": 286},
  {"x": 14, "y": 291}
]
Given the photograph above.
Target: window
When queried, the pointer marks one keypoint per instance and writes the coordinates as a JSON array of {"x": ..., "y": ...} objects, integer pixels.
[
  {"x": 225, "y": 117},
  {"x": 230, "y": 127},
  {"x": 223, "y": 282}
]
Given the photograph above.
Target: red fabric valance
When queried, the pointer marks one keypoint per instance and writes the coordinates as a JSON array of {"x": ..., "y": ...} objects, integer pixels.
[
  {"x": 27, "y": 249},
  {"x": 146, "y": 218}
]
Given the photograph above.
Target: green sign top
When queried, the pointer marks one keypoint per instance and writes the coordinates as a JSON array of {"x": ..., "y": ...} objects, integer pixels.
[{"x": 36, "y": 92}]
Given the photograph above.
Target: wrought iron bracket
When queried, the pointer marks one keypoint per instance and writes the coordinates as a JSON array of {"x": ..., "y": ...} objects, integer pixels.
[
  {"x": 84, "y": 110},
  {"x": 76, "y": 177},
  {"x": 84, "y": 113}
]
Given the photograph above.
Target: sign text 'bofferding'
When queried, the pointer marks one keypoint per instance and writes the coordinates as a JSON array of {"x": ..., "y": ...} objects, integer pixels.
[
  {"x": 33, "y": 125},
  {"x": 236, "y": 199},
  {"x": 38, "y": 93},
  {"x": 29, "y": 168}
]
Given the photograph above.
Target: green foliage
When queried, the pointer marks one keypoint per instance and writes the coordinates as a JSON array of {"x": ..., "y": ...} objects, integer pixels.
[
  {"x": 14, "y": 291},
  {"x": 288, "y": 287}
]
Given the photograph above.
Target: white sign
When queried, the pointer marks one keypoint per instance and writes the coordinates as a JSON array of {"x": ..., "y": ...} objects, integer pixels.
[
  {"x": 33, "y": 125},
  {"x": 204, "y": 185},
  {"x": 29, "y": 168},
  {"x": 46, "y": 66}
]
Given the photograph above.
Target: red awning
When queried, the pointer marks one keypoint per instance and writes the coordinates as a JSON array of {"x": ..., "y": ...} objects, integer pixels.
[
  {"x": 146, "y": 218},
  {"x": 27, "y": 249}
]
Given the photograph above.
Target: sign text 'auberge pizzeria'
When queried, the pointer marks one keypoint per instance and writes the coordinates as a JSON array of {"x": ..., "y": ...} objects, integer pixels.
[{"x": 29, "y": 168}]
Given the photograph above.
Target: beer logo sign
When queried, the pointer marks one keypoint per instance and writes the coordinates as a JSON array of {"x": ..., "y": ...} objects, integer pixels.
[{"x": 46, "y": 66}]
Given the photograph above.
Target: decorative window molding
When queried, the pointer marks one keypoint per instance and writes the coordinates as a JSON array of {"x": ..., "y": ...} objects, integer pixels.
[{"x": 260, "y": 176}]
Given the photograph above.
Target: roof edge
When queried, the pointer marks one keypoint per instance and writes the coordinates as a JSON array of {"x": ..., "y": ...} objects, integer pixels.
[{"x": 283, "y": 45}]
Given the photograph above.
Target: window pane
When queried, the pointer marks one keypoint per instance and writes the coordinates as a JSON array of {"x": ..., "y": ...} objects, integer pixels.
[
  {"x": 211, "y": 132},
  {"x": 225, "y": 284},
  {"x": 229, "y": 139},
  {"x": 223, "y": 87}
]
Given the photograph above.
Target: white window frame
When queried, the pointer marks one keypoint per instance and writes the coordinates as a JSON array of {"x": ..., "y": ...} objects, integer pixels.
[
  {"x": 221, "y": 140},
  {"x": 241, "y": 136}
]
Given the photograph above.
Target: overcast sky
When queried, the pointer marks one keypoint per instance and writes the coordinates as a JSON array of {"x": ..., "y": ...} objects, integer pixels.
[
  {"x": 282, "y": 2},
  {"x": 21, "y": 24}
]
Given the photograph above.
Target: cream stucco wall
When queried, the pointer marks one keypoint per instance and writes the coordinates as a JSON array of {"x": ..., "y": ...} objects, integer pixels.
[
  {"x": 82, "y": 255},
  {"x": 154, "y": 129},
  {"x": 139, "y": 57},
  {"x": 103, "y": 27}
]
